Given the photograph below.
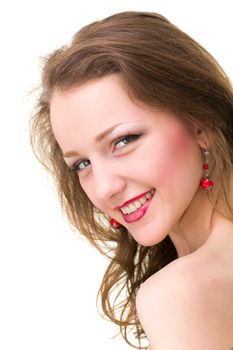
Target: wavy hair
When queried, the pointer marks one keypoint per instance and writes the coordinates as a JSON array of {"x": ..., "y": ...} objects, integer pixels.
[{"x": 159, "y": 65}]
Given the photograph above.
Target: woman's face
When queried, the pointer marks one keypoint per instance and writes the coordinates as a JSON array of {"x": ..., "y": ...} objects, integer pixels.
[{"x": 140, "y": 167}]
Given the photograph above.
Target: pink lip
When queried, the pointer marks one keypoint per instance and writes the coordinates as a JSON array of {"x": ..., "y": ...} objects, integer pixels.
[
  {"x": 132, "y": 200},
  {"x": 137, "y": 214}
]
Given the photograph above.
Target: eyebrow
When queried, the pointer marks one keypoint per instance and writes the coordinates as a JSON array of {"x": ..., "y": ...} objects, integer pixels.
[{"x": 98, "y": 138}]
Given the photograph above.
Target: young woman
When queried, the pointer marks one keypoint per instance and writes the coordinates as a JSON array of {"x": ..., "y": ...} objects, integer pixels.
[{"x": 135, "y": 122}]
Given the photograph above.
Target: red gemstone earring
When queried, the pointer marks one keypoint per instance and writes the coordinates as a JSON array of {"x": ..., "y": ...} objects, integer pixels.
[
  {"x": 206, "y": 183},
  {"x": 115, "y": 224}
]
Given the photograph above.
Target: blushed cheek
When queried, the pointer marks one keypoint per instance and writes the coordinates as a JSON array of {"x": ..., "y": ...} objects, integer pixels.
[
  {"x": 183, "y": 143},
  {"x": 180, "y": 161}
]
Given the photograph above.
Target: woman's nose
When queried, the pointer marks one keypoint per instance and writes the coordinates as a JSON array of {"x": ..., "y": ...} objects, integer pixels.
[{"x": 108, "y": 183}]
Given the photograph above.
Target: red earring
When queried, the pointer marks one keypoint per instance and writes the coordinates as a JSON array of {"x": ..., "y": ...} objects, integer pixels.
[
  {"x": 115, "y": 224},
  {"x": 206, "y": 183}
]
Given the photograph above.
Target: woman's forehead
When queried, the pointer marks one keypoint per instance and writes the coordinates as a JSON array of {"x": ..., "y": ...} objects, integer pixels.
[{"x": 96, "y": 103}]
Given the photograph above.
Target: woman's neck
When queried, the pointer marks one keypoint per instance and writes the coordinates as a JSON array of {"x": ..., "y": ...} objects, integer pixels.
[{"x": 198, "y": 224}]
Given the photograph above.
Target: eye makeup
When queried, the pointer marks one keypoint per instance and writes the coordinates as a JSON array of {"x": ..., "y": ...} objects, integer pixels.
[
  {"x": 117, "y": 144},
  {"x": 122, "y": 141}
]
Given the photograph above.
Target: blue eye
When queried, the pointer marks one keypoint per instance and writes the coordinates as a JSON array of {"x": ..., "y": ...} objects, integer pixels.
[
  {"x": 124, "y": 140},
  {"x": 80, "y": 165}
]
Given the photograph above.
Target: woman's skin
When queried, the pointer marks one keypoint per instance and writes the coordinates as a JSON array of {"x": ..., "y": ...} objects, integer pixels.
[{"x": 120, "y": 151}]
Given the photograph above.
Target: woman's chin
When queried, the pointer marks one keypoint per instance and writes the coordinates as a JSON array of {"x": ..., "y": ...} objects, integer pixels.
[{"x": 148, "y": 240}]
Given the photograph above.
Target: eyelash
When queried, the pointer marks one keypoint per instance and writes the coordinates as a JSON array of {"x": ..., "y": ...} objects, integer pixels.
[{"x": 130, "y": 138}]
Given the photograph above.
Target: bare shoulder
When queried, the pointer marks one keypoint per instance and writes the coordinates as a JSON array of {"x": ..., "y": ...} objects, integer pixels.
[{"x": 190, "y": 304}]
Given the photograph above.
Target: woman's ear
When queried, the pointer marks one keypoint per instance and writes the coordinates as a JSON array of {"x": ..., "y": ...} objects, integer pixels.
[{"x": 201, "y": 137}]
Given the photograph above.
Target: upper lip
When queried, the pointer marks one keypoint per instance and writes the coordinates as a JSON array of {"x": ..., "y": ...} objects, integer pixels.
[{"x": 132, "y": 200}]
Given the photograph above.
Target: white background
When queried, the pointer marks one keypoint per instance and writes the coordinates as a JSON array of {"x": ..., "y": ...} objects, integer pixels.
[{"x": 49, "y": 276}]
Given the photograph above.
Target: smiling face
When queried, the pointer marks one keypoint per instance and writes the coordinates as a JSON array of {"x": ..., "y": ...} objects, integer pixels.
[{"x": 140, "y": 167}]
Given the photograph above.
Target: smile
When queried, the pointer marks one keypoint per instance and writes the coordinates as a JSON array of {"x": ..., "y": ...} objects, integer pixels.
[{"x": 137, "y": 209}]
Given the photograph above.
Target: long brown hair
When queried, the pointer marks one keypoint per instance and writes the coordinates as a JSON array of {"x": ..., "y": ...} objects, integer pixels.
[{"x": 159, "y": 66}]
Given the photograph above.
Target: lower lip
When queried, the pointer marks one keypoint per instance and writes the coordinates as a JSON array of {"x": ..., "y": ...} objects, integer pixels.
[{"x": 137, "y": 214}]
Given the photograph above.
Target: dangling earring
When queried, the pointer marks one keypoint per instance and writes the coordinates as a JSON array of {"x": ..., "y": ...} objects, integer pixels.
[
  {"x": 206, "y": 183},
  {"x": 115, "y": 224}
]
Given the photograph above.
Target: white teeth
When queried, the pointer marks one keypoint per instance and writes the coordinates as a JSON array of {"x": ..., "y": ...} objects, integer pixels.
[
  {"x": 148, "y": 195},
  {"x": 137, "y": 204},
  {"x": 124, "y": 210},
  {"x": 142, "y": 200},
  {"x": 127, "y": 210},
  {"x": 132, "y": 207}
]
